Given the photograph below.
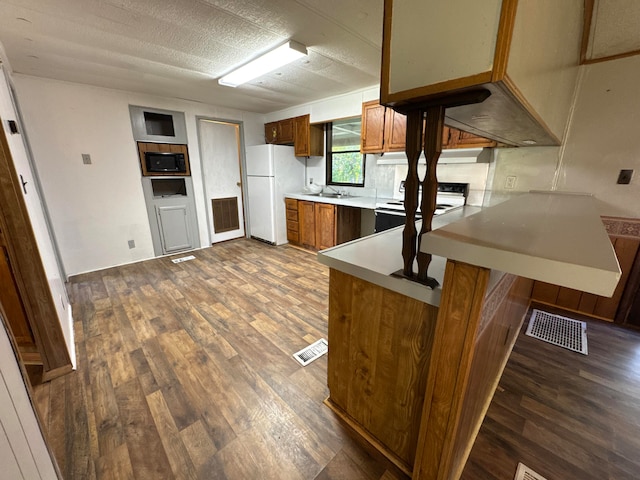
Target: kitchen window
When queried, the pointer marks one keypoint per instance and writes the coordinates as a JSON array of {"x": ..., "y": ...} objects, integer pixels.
[{"x": 345, "y": 163}]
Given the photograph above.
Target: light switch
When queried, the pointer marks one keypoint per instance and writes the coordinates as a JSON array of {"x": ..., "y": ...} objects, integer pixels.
[{"x": 86, "y": 159}]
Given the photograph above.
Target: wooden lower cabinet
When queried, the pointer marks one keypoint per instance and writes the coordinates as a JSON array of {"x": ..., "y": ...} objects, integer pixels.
[
  {"x": 293, "y": 225},
  {"x": 321, "y": 225},
  {"x": 414, "y": 380},
  {"x": 307, "y": 219},
  {"x": 604, "y": 308}
]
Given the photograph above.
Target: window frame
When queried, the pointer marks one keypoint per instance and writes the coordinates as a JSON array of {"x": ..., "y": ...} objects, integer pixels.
[{"x": 330, "y": 153}]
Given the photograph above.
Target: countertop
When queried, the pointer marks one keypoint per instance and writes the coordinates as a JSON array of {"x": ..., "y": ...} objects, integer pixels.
[
  {"x": 375, "y": 257},
  {"x": 348, "y": 201},
  {"x": 554, "y": 237}
]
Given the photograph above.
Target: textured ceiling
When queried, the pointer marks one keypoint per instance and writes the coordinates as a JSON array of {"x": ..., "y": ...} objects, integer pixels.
[
  {"x": 615, "y": 28},
  {"x": 178, "y": 48}
]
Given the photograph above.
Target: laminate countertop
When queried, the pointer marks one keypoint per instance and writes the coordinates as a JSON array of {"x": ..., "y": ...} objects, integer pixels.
[
  {"x": 554, "y": 237},
  {"x": 375, "y": 257},
  {"x": 549, "y": 236},
  {"x": 346, "y": 201}
]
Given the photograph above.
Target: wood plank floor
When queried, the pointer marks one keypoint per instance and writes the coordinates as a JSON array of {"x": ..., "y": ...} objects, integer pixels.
[
  {"x": 185, "y": 371},
  {"x": 565, "y": 415}
]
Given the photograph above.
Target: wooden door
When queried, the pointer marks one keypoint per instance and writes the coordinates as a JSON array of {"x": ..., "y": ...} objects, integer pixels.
[
  {"x": 307, "y": 223},
  {"x": 12, "y": 303},
  {"x": 325, "y": 225},
  {"x": 395, "y": 131},
  {"x": 373, "y": 119}
]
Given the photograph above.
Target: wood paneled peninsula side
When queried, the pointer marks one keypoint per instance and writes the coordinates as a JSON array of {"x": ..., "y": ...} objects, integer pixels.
[{"x": 412, "y": 370}]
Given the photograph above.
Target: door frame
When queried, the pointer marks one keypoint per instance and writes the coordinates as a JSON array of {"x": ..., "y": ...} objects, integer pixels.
[{"x": 241, "y": 165}]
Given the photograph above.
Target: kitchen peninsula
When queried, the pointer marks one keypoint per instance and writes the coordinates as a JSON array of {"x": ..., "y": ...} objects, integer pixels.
[{"x": 413, "y": 370}]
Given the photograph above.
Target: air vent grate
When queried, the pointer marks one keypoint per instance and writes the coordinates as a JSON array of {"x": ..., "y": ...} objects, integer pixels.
[
  {"x": 183, "y": 259},
  {"x": 561, "y": 331},
  {"x": 312, "y": 352},
  {"x": 525, "y": 473}
]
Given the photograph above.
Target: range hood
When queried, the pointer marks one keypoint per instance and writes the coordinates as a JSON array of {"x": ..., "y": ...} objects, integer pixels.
[{"x": 455, "y": 155}]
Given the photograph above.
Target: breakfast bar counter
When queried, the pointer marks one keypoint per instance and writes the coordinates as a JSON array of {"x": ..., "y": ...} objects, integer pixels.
[{"x": 412, "y": 370}]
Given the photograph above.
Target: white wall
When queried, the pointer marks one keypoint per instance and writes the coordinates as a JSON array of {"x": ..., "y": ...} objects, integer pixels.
[
  {"x": 330, "y": 108},
  {"x": 602, "y": 139},
  {"x": 95, "y": 209}
]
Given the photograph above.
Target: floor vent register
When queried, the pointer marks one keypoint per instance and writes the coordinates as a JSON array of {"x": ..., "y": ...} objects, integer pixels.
[
  {"x": 561, "y": 331},
  {"x": 312, "y": 352},
  {"x": 525, "y": 473},
  {"x": 183, "y": 259}
]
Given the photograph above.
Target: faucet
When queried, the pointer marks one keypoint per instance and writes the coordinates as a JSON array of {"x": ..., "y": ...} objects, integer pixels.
[{"x": 339, "y": 192}]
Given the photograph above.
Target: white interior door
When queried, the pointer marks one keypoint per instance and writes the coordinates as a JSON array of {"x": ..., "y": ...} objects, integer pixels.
[{"x": 220, "y": 154}]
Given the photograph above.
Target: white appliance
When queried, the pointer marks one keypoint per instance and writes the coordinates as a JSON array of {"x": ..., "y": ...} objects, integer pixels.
[{"x": 272, "y": 171}]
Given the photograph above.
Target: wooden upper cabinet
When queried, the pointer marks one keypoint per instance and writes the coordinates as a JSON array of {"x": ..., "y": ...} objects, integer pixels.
[
  {"x": 280, "y": 132},
  {"x": 525, "y": 53},
  {"x": 373, "y": 123},
  {"x": 385, "y": 130},
  {"x": 307, "y": 139},
  {"x": 395, "y": 133}
]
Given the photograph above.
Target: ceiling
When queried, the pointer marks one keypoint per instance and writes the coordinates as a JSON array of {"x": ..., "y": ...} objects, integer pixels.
[{"x": 178, "y": 48}]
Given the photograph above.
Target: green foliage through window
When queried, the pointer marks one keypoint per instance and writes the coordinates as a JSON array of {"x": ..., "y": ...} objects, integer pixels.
[{"x": 345, "y": 163}]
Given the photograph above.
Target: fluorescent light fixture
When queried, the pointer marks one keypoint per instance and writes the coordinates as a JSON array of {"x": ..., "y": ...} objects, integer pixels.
[{"x": 286, "y": 53}]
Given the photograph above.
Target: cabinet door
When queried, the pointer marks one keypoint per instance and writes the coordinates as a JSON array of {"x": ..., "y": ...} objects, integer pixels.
[
  {"x": 174, "y": 228},
  {"x": 271, "y": 132},
  {"x": 325, "y": 226},
  {"x": 301, "y": 143},
  {"x": 12, "y": 304},
  {"x": 373, "y": 120},
  {"x": 286, "y": 131},
  {"x": 307, "y": 223},
  {"x": 395, "y": 131},
  {"x": 460, "y": 139}
]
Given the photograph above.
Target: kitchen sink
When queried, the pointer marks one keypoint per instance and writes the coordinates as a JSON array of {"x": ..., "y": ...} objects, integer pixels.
[{"x": 334, "y": 195}]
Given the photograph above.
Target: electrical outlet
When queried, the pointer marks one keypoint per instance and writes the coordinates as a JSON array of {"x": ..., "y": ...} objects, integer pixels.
[
  {"x": 310, "y": 181},
  {"x": 86, "y": 159},
  {"x": 132, "y": 244},
  {"x": 624, "y": 178},
  {"x": 510, "y": 183}
]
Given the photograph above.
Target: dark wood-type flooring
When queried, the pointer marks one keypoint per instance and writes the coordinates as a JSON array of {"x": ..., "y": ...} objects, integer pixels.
[
  {"x": 185, "y": 371},
  {"x": 565, "y": 415}
]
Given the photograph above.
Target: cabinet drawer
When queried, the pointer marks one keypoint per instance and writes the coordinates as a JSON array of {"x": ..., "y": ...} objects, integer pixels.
[
  {"x": 291, "y": 204},
  {"x": 292, "y": 215},
  {"x": 293, "y": 236},
  {"x": 294, "y": 226}
]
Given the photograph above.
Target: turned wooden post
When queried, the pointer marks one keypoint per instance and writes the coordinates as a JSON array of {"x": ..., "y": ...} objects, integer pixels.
[
  {"x": 412, "y": 182},
  {"x": 432, "y": 151}
]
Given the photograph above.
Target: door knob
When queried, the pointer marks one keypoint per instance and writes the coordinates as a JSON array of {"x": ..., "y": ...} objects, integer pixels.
[{"x": 239, "y": 184}]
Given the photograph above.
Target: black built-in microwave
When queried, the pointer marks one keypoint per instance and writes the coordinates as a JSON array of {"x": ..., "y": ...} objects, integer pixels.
[{"x": 165, "y": 162}]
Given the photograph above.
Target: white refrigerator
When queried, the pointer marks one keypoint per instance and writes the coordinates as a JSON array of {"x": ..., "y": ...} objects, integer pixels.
[{"x": 272, "y": 171}]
